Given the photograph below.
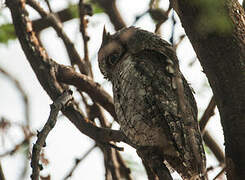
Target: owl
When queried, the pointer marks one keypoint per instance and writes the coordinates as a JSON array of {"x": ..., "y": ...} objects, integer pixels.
[{"x": 144, "y": 72}]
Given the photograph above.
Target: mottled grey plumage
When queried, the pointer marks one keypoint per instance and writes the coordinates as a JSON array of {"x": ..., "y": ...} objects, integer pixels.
[{"x": 144, "y": 73}]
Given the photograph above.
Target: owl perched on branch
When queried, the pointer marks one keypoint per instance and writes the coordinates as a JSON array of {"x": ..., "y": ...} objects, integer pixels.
[{"x": 154, "y": 104}]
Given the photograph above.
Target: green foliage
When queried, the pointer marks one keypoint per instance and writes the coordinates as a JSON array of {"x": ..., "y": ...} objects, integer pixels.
[
  {"x": 6, "y": 33},
  {"x": 74, "y": 9},
  {"x": 207, "y": 150},
  {"x": 213, "y": 17},
  {"x": 96, "y": 8}
]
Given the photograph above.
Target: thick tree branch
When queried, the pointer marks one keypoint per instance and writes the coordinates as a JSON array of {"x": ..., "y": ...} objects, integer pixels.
[
  {"x": 46, "y": 70},
  {"x": 58, "y": 27},
  {"x": 220, "y": 47},
  {"x": 84, "y": 83}
]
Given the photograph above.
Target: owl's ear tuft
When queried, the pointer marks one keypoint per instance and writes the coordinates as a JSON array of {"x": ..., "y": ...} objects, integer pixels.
[{"x": 106, "y": 36}]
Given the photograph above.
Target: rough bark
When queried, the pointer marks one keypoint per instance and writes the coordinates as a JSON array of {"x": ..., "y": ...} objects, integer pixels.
[
  {"x": 46, "y": 71},
  {"x": 222, "y": 56}
]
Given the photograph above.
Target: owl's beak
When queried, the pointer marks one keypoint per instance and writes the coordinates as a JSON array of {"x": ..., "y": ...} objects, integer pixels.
[{"x": 106, "y": 36}]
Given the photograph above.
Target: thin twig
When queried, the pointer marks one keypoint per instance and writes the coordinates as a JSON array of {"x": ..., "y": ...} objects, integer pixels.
[
  {"x": 42, "y": 135},
  {"x": 220, "y": 173},
  {"x": 158, "y": 14},
  {"x": 57, "y": 25},
  {"x": 111, "y": 164},
  {"x": 79, "y": 160},
  {"x": 26, "y": 114},
  {"x": 173, "y": 29},
  {"x": 208, "y": 139},
  {"x": 49, "y": 7},
  {"x": 18, "y": 146},
  {"x": 209, "y": 112},
  {"x": 124, "y": 170},
  {"x": 2, "y": 176},
  {"x": 85, "y": 9},
  {"x": 181, "y": 38},
  {"x": 22, "y": 92},
  {"x": 214, "y": 147}
]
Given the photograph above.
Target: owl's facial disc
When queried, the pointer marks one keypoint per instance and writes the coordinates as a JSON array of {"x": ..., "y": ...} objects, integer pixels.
[
  {"x": 110, "y": 53},
  {"x": 109, "y": 56}
]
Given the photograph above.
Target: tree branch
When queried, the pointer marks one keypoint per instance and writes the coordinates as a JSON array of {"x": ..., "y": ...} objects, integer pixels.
[
  {"x": 26, "y": 101},
  {"x": 42, "y": 135},
  {"x": 214, "y": 147},
  {"x": 58, "y": 27},
  {"x": 79, "y": 160},
  {"x": 22, "y": 92},
  {"x": 46, "y": 70},
  {"x": 42, "y": 23},
  {"x": 208, "y": 139},
  {"x": 207, "y": 114},
  {"x": 2, "y": 176},
  {"x": 84, "y": 83},
  {"x": 111, "y": 10},
  {"x": 85, "y": 9}
]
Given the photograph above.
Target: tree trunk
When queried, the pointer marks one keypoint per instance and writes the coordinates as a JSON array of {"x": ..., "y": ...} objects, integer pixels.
[{"x": 216, "y": 31}]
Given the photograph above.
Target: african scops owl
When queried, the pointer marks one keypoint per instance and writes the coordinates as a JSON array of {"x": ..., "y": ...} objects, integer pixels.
[{"x": 144, "y": 70}]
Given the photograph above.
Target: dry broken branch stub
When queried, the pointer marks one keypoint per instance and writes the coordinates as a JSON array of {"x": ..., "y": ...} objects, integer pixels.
[{"x": 42, "y": 135}]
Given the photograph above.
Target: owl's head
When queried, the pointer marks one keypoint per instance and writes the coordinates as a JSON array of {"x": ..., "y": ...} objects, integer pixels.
[
  {"x": 129, "y": 41},
  {"x": 113, "y": 49}
]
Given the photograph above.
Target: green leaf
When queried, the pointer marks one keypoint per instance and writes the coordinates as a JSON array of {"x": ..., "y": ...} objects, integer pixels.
[
  {"x": 73, "y": 10},
  {"x": 7, "y": 33},
  {"x": 97, "y": 9}
]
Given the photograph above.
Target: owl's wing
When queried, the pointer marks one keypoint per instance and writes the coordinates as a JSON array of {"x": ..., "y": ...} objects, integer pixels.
[
  {"x": 184, "y": 126},
  {"x": 183, "y": 130}
]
